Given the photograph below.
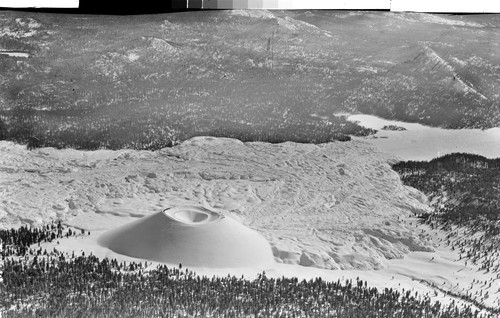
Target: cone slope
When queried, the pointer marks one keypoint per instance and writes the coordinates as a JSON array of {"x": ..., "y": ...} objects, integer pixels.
[{"x": 191, "y": 235}]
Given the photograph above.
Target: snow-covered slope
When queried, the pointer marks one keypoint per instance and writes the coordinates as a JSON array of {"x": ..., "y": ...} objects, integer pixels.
[
  {"x": 335, "y": 205},
  {"x": 190, "y": 235}
]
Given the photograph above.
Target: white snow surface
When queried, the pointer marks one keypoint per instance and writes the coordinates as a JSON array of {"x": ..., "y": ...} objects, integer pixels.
[
  {"x": 420, "y": 142},
  {"x": 190, "y": 235},
  {"x": 438, "y": 19},
  {"x": 255, "y": 14},
  {"x": 331, "y": 206},
  {"x": 15, "y": 54}
]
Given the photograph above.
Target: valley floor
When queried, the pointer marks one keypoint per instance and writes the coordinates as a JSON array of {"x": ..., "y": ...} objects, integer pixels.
[
  {"x": 439, "y": 274},
  {"x": 335, "y": 211}
]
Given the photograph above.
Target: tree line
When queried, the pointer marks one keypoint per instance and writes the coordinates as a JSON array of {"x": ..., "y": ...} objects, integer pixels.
[{"x": 58, "y": 284}]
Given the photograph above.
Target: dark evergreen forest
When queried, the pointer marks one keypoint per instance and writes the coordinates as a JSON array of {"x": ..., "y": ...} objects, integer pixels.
[{"x": 40, "y": 283}]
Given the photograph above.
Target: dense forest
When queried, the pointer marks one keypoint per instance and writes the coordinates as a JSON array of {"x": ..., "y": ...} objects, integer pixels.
[
  {"x": 41, "y": 283},
  {"x": 149, "y": 81},
  {"x": 463, "y": 188},
  {"x": 151, "y": 134},
  {"x": 464, "y": 191}
]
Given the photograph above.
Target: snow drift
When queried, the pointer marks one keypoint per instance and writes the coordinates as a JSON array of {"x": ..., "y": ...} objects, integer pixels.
[
  {"x": 334, "y": 205},
  {"x": 190, "y": 235}
]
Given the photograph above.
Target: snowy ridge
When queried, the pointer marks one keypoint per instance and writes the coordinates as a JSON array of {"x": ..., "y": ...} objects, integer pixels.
[
  {"x": 438, "y": 19},
  {"x": 295, "y": 25},
  {"x": 335, "y": 205},
  {"x": 255, "y": 14},
  {"x": 466, "y": 87},
  {"x": 21, "y": 28},
  {"x": 285, "y": 22}
]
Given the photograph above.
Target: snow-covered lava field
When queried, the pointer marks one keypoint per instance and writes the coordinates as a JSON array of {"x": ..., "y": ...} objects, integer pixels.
[
  {"x": 334, "y": 210},
  {"x": 333, "y": 206},
  {"x": 329, "y": 206}
]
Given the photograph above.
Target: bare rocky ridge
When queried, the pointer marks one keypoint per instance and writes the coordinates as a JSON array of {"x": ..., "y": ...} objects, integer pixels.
[{"x": 334, "y": 205}]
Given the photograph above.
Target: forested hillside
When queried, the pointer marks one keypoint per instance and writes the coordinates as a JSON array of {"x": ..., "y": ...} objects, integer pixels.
[
  {"x": 464, "y": 190},
  {"x": 149, "y": 81},
  {"x": 41, "y": 283}
]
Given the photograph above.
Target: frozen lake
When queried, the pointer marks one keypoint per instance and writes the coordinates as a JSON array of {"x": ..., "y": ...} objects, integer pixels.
[
  {"x": 419, "y": 142},
  {"x": 15, "y": 54}
]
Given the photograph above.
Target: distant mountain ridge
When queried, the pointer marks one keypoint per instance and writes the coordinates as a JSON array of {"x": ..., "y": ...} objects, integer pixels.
[{"x": 146, "y": 82}]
